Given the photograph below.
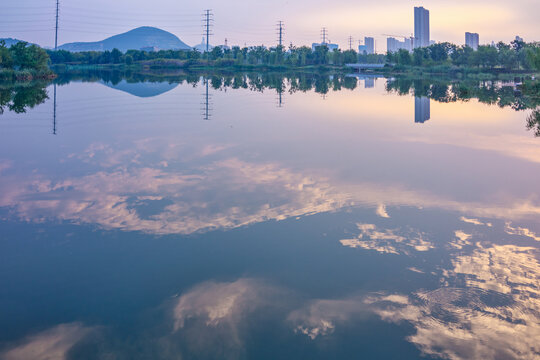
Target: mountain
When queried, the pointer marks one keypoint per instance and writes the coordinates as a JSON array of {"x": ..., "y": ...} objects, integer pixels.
[{"x": 135, "y": 39}]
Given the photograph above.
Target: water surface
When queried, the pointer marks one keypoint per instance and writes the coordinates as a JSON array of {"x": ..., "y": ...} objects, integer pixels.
[{"x": 263, "y": 217}]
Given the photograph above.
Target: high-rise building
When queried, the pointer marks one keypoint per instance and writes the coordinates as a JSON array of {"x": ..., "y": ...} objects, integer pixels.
[
  {"x": 421, "y": 27},
  {"x": 393, "y": 44},
  {"x": 368, "y": 47},
  {"x": 472, "y": 40}
]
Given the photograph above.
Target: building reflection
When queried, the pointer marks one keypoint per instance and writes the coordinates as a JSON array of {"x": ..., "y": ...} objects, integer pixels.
[
  {"x": 369, "y": 82},
  {"x": 421, "y": 109}
]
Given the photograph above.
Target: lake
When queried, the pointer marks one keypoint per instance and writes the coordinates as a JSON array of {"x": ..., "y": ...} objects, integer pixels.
[{"x": 268, "y": 217}]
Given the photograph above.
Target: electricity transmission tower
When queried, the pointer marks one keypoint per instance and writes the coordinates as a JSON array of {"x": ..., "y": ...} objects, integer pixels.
[
  {"x": 208, "y": 20},
  {"x": 350, "y": 42},
  {"x": 280, "y": 33},
  {"x": 56, "y": 29},
  {"x": 324, "y": 35}
]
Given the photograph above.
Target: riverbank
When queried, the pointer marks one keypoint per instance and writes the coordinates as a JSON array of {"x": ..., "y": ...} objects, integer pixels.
[
  {"x": 163, "y": 65},
  {"x": 11, "y": 76},
  {"x": 171, "y": 65}
]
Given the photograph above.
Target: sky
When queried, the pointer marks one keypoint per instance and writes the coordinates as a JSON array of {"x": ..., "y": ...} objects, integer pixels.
[{"x": 253, "y": 22}]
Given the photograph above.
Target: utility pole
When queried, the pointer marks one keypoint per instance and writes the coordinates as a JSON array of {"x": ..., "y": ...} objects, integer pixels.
[
  {"x": 56, "y": 31},
  {"x": 207, "y": 29},
  {"x": 280, "y": 33},
  {"x": 324, "y": 34},
  {"x": 350, "y": 42}
]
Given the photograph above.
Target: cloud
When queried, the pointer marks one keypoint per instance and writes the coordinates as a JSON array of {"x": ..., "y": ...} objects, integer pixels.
[
  {"x": 51, "y": 344},
  {"x": 388, "y": 241}
]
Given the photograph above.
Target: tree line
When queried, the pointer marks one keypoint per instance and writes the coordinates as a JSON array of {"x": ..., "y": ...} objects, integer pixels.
[
  {"x": 517, "y": 55},
  {"x": 220, "y": 56}
]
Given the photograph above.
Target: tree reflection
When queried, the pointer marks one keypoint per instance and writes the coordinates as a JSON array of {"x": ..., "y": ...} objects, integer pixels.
[
  {"x": 19, "y": 98},
  {"x": 533, "y": 122}
]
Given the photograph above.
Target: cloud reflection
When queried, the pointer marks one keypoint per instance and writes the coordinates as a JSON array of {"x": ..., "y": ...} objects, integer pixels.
[
  {"x": 388, "y": 241},
  {"x": 51, "y": 344},
  {"x": 150, "y": 188}
]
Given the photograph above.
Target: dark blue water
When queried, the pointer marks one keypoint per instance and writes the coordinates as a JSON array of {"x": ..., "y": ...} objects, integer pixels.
[{"x": 168, "y": 220}]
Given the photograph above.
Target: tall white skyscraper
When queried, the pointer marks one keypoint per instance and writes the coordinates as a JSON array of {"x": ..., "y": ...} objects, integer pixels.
[
  {"x": 370, "y": 45},
  {"x": 421, "y": 27},
  {"x": 472, "y": 40}
]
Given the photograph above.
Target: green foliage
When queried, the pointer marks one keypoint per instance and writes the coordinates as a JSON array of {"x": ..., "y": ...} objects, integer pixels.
[
  {"x": 28, "y": 57},
  {"x": 6, "y": 60},
  {"x": 441, "y": 57},
  {"x": 533, "y": 57}
]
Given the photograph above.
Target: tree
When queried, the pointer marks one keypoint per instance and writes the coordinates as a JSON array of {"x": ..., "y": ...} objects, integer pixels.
[
  {"x": 533, "y": 55},
  {"x": 420, "y": 56},
  {"x": 116, "y": 56},
  {"x": 439, "y": 52},
  {"x": 6, "y": 61},
  {"x": 216, "y": 52},
  {"x": 28, "y": 57},
  {"x": 404, "y": 57}
]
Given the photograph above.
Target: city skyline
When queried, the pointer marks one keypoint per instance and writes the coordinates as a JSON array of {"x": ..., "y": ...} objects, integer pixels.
[{"x": 33, "y": 21}]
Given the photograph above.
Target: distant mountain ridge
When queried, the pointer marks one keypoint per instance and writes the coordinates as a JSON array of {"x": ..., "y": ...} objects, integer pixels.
[{"x": 135, "y": 39}]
